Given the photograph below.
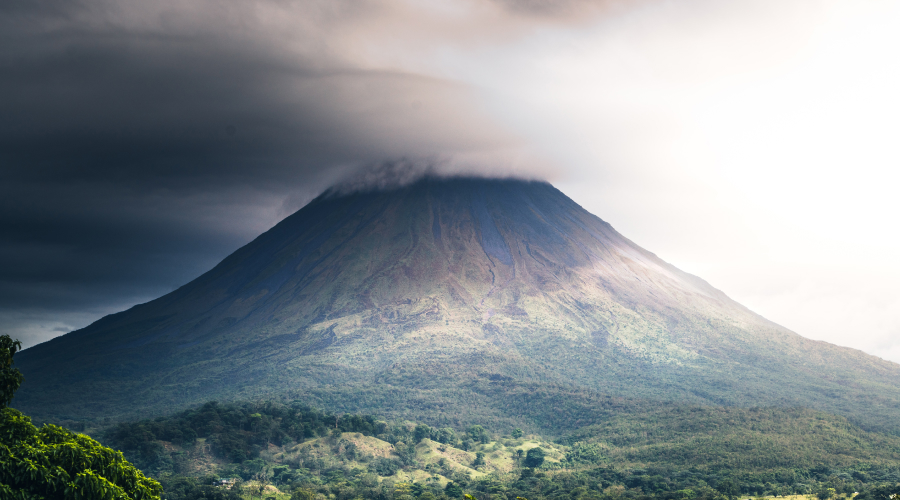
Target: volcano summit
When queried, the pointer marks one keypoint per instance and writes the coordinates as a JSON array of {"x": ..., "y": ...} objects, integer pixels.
[{"x": 449, "y": 300}]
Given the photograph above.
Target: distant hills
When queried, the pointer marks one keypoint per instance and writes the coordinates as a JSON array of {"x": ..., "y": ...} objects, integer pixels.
[{"x": 450, "y": 301}]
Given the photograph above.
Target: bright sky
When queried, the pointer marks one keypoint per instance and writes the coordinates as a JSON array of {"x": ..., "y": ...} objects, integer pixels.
[
  {"x": 760, "y": 153},
  {"x": 754, "y": 144}
]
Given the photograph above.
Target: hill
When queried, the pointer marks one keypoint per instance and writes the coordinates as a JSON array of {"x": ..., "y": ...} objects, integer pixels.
[
  {"x": 679, "y": 452},
  {"x": 449, "y": 301}
]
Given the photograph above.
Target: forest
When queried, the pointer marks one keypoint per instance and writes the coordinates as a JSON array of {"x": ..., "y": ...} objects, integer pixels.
[{"x": 293, "y": 450}]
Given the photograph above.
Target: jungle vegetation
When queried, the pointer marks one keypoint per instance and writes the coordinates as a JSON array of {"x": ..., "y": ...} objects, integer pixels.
[{"x": 672, "y": 453}]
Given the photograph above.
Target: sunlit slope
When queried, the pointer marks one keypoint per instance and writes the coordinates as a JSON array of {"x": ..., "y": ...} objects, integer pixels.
[{"x": 425, "y": 300}]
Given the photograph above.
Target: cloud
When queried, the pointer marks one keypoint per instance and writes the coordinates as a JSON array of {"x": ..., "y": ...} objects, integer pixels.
[
  {"x": 180, "y": 94},
  {"x": 143, "y": 141}
]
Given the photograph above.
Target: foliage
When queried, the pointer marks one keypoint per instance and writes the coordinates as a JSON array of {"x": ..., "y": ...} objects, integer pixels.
[
  {"x": 10, "y": 378},
  {"x": 53, "y": 462},
  {"x": 236, "y": 432},
  {"x": 731, "y": 439},
  {"x": 882, "y": 491},
  {"x": 190, "y": 488},
  {"x": 477, "y": 433},
  {"x": 589, "y": 484},
  {"x": 384, "y": 466},
  {"x": 534, "y": 458},
  {"x": 674, "y": 453},
  {"x": 453, "y": 490}
]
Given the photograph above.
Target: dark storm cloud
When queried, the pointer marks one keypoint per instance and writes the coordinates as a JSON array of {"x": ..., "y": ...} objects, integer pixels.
[
  {"x": 140, "y": 142},
  {"x": 152, "y": 99}
]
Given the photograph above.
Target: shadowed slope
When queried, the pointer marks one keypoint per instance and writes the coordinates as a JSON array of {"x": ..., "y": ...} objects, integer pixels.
[{"x": 448, "y": 299}]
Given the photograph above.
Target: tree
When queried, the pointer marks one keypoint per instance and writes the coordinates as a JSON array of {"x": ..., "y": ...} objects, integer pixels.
[
  {"x": 10, "y": 378},
  {"x": 384, "y": 466},
  {"x": 517, "y": 433},
  {"x": 729, "y": 488},
  {"x": 54, "y": 462},
  {"x": 453, "y": 490},
  {"x": 446, "y": 436},
  {"x": 403, "y": 491},
  {"x": 189, "y": 488},
  {"x": 262, "y": 481},
  {"x": 421, "y": 432},
  {"x": 406, "y": 452},
  {"x": 534, "y": 458},
  {"x": 826, "y": 493},
  {"x": 477, "y": 433},
  {"x": 880, "y": 492},
  {"x": 303, "y": 494}
]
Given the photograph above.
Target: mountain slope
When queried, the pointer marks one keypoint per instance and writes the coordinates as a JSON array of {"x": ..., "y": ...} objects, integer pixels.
[{"x": 448, "y": 299}]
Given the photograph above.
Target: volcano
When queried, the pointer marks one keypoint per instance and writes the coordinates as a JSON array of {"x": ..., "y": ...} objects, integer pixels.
[{"x": 449, "y": 300}]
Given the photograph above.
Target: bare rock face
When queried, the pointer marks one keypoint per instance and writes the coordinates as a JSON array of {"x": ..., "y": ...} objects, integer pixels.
[{"x": 449, "y": 300}]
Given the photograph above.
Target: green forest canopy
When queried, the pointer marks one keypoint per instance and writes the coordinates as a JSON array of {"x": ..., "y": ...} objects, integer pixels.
[{"x": 680, "y": 451}]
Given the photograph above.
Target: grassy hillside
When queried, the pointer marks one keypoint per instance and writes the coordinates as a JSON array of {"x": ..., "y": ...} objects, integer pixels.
[
  {"x": 719, "y": 439},
  {"x": 670, "y": 453}
]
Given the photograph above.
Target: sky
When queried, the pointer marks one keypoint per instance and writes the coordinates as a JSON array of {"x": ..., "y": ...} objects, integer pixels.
[{"x": 752, "y": 143}]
